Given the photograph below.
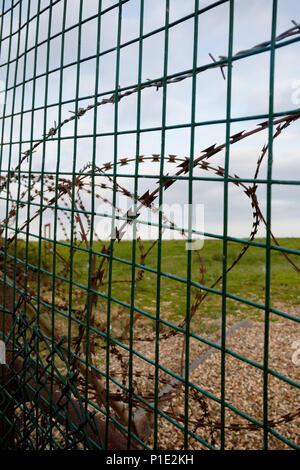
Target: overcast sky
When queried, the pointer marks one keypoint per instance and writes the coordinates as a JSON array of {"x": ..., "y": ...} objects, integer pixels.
[{"x": 250, "y": 95}]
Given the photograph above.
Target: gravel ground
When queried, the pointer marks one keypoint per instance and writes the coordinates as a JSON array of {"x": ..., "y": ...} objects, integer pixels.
[{"x": 244, "y": 387}]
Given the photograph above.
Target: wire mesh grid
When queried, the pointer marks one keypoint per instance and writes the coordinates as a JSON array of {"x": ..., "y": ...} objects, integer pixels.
[{"x": 101, "y": 329}]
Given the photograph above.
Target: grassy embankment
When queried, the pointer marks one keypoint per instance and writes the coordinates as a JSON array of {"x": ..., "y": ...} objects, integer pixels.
[{"x": 246, "y": 280}]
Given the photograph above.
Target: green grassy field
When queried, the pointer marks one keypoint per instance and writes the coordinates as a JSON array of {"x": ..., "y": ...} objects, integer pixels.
[{"x": 246, "y": 280}]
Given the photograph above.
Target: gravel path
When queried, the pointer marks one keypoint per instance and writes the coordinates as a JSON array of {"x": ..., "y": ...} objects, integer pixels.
[{"x": 244, "y": 387}]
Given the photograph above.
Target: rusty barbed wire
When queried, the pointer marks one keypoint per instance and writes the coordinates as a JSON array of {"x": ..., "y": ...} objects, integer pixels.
[{"x": 146, "y": 200}]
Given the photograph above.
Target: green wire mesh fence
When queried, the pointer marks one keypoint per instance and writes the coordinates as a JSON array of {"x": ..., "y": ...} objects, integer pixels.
[{"x": 105, "y": 328}]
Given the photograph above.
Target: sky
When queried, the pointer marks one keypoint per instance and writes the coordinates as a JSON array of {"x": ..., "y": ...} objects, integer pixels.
[{"x": 250, "y": 97}]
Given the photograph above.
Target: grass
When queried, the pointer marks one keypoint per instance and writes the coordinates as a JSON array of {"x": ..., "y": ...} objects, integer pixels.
[{"x": 246, "y": 280}]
